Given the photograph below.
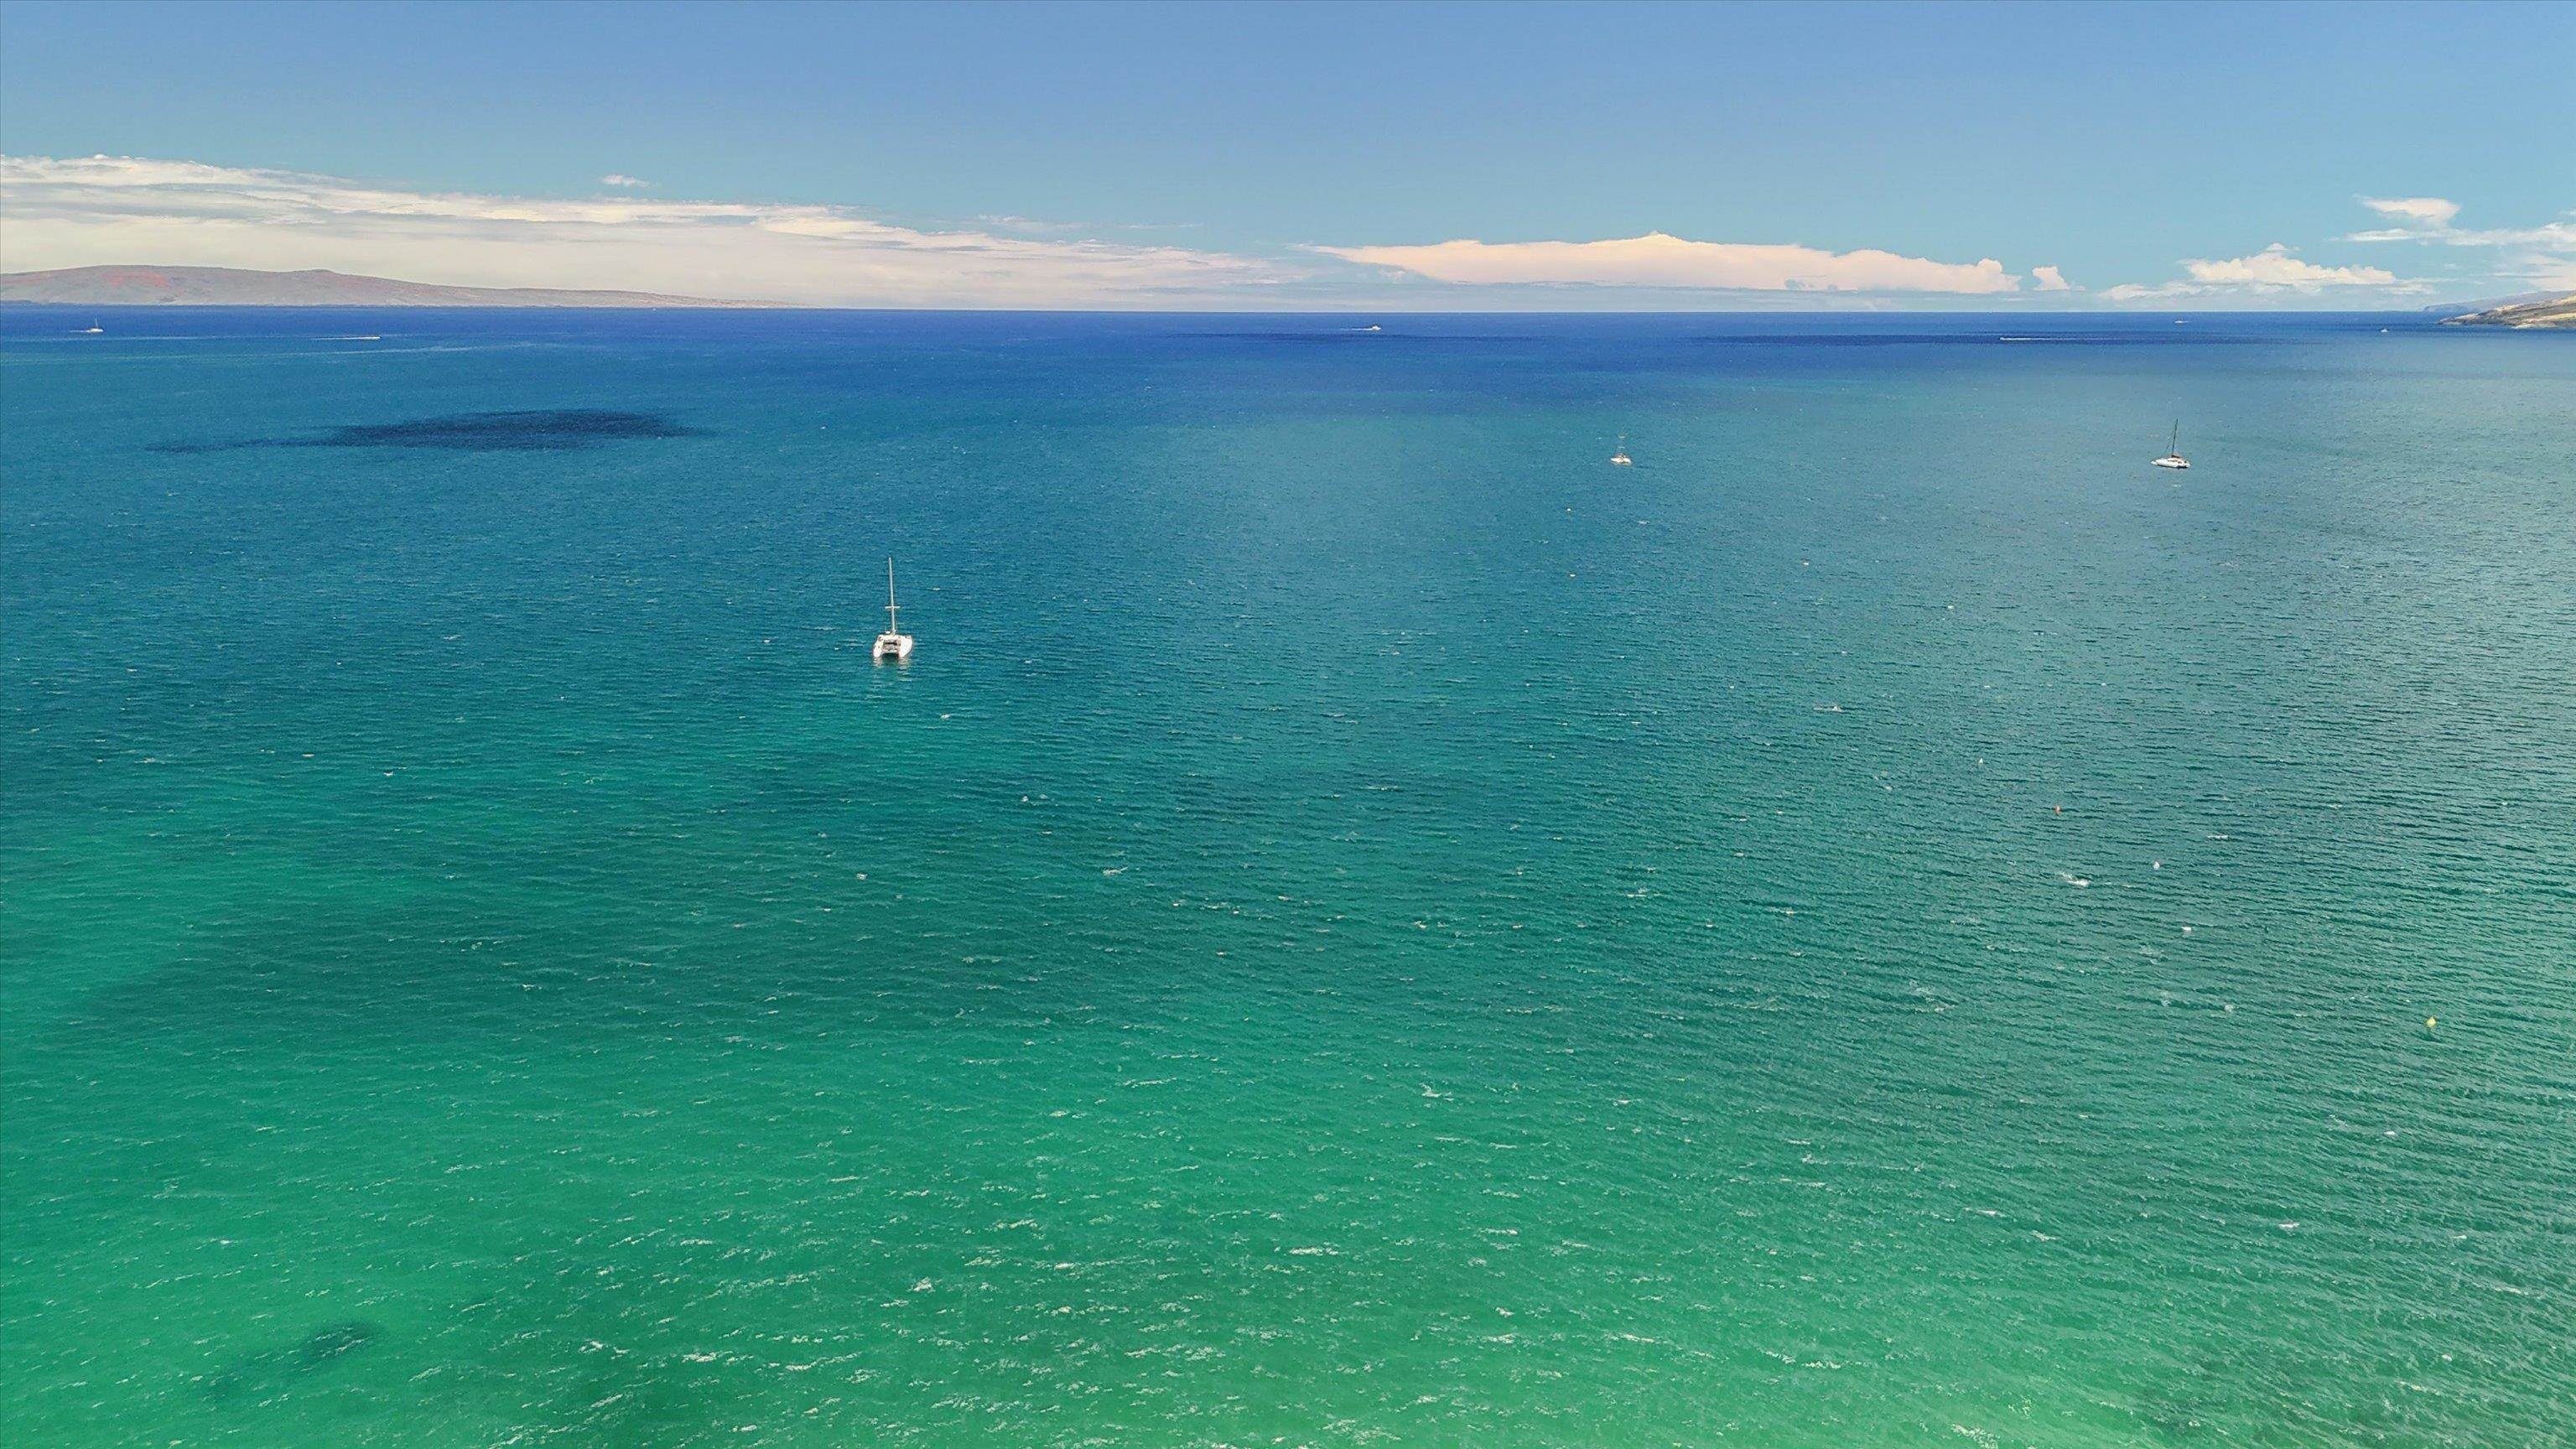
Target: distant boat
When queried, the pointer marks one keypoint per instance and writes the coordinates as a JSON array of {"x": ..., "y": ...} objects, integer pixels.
[
  {"x": 92, "y": 330},
  {"x": 1621, "y": 458},
  {"x": 2173, "y": 457},
  {"x": 893, "y": 644}
]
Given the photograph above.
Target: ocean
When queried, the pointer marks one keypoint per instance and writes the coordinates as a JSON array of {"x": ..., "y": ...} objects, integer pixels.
[{"x": 1888, "y": 923}]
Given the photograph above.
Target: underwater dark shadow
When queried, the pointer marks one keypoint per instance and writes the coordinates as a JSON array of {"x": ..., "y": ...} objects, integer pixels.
[{"x": 551, "y": 430}]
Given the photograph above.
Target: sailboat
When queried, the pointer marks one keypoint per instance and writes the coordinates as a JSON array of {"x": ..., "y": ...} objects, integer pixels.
[
  {"x": 893, "y": 644},
  {"x": 92, "y": 330},
  {"x": 1621, "y": 458},
  {"x": 2173, "y": 457}
]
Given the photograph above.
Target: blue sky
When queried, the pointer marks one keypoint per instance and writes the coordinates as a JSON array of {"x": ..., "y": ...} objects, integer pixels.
[{"x": 1597, "y": 155}]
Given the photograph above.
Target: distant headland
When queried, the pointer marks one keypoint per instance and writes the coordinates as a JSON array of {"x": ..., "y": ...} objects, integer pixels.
[
  {"x": 238, "y": 287},
  {"x": 2552, "y": 310}
]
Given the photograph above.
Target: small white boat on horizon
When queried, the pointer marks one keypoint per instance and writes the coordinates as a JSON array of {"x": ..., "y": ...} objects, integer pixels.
[
  {"x": 2173, "y": 457},
  {"x": 893, "y": 644},
  {"x": 92, "y": 330}
]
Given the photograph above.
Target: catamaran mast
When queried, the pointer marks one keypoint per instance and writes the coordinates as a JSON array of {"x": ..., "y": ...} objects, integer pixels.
[{"x": 890, "y": 624}]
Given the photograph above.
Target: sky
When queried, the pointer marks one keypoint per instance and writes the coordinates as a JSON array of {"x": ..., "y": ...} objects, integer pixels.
[{"x": 1396, "y": 156}]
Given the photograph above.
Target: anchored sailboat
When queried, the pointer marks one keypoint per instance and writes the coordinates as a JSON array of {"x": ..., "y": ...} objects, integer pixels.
[
  {"x": 2173, "y": 457},
  {"x": 1621, "y": 458},
  {"x": 893, "y": 644}
]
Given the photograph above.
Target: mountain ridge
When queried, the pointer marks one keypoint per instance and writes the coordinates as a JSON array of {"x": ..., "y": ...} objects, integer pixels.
[{"x": 152, "y": 286}]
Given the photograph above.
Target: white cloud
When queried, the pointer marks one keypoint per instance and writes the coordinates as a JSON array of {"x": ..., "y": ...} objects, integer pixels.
[
  {"x": 2431, "y": 210},
  {"x": 1029, "y": 224},
  {"x": 2275, "y": 266},
  {"x": 2430, "y": 219},
  {"x": 2548, "y": 274},
  {"x": 1658, "y": 260},
  {"x": 104, "y": 209},
  {"x": 2553, "y": 236},
  {"x": 619, "y": 178},
  {"x": 2546, "y": 258},
  {"x": 2050, "y": 279},
  {"x": 2271, "y": 272}
]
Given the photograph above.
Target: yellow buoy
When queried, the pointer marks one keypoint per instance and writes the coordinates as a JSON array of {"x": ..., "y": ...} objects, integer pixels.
[{"x": 2428, "y": 1023}]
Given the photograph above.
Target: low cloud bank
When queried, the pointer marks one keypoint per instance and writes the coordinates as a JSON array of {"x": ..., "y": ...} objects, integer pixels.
[
  {"x": 2273, "y": 271},
  {"x": 1659, "y": 260}
]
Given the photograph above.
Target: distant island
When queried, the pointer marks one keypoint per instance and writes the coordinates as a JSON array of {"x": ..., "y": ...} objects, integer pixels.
[
  {"x": 2556, "y": 311},
  {"x": 236, "y": 287}
]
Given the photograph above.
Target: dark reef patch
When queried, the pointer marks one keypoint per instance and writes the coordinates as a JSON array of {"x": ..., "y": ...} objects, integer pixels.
[
  {"x": 327, "y": 1343},
  {"x": 225, "y": 447},
  {"x": 547, "y": 430},
  {"x": 265, "y": 1372}
]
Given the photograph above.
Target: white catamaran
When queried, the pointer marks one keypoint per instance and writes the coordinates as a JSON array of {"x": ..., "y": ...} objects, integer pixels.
[
  {"x": 2173, "y": 457},
  {"x": 893, "y": 644}
]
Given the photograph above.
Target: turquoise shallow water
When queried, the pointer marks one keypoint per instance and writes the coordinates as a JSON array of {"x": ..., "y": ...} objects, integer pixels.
[{"x": 1888, "y": 923}]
